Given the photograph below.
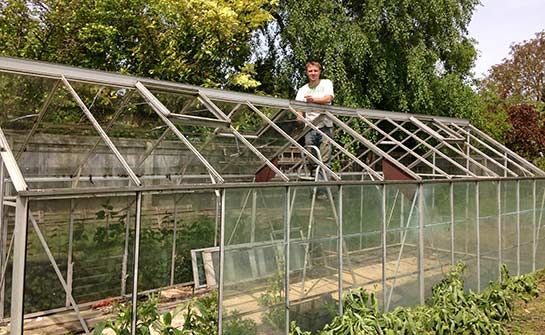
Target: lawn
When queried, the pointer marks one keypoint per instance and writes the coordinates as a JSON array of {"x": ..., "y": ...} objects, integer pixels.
[{"x": 529, "y": 318}]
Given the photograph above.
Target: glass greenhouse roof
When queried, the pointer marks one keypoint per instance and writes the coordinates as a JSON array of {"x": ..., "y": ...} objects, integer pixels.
[{"x": 66, "y": 127}]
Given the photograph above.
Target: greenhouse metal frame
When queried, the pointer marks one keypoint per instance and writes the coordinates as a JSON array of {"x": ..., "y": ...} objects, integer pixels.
[{"x": 411, "y": 194}]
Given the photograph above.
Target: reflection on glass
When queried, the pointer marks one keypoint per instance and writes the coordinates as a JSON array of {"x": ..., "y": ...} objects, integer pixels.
[
  {"x": 254, "y": 259},
  {"x": 402, "y": 245},
  {"x": 362, "y": 238},
  {"x": 437, "y": 234},
  {"x": 314, "y": 258},
  {"x": 465, "y": 231},
  {"x": 88, "y": 239}
]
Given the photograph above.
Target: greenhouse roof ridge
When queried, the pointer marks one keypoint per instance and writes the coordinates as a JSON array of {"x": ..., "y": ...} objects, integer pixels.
[{"x": 78, "y": 74}]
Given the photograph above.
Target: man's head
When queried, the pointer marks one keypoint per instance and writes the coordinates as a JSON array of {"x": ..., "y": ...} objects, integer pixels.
[{"x": 313, "y": 71}]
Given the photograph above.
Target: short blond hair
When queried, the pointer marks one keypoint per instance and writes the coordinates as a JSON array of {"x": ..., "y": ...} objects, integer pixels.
[{"x": 314, "y": 63}]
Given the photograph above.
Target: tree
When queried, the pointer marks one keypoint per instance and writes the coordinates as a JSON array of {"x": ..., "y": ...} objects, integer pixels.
[
  {"x": 527, "y": 134},
  {"x": 400, "y": 55},
  {"x": 202, "y": 42},
  {"x": 521, "y": 77}
]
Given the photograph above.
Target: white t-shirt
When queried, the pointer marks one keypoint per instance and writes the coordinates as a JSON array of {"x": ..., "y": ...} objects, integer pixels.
[{"x": 324, "y": 87}]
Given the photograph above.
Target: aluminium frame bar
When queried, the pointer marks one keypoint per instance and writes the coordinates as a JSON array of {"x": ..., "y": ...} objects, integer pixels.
[
  {"x": 20, "y": 233},
  {"x": 478, "y": 231},
  {"x": 51, "y": 70},
  {"x": 340, "y": 148},
  {"x": 294, "y": 142},
  {"x": 117, "y": 113},
  {"x": 287, "y": 238},
  {"x": 136, "y": 262},
  {"x": 4, "y": 256},
  {"x": 163, "y": 113},
  {"x": 394, "y": 147},
  {"x": 10, "y": 164},
  {"x": 259, "y": 154},
  {"x": 371, "y": 146},
  {"x": 65, "y": 286},
  {"x": 101, "y": 132},
  {"x": 507, "y": 150},
  {"x": 39, "y": 118},
  {"x": 421, "y": 125},
  {"x": 455, "y": 136},
  {"x": 221, "y": 115},
  {"x": 407, "y": 149},
  {"x": 504, "y": 155},
  {"x": 431, "y": 148}
]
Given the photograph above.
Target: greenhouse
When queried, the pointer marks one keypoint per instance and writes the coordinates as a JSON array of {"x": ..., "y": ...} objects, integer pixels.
[{"x": 115, "y": 187}]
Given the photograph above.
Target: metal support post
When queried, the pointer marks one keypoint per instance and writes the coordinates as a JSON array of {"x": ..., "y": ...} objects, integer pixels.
[
  {"x": 3, "y": 238},
  {"x": 19, "y": 262},
  {"x": 466, "y": 222},
  {"x": 222, "y": 263},
  {"x": 383, "y": 207},
  {"x": 421, "y": 242},
  {"x": 340, "y": 248},
  {"x": 59, "y": 274},
  {"x": 498, "y": 200},
  {"x": 69, "y": 262},
  {"x": 451, "y": 202},
  {"x": 534, "y": 225},
  {"x": 477, "y": 223},
  {"x": 125, "y": 262},
  {"x": 217, "y": 218},
  {"x": 361, "y": 216},
  {"x": 287, "y": 229},
  {"x": 174, "y": 231},
  {"x": 251, "y": 256},
  {"x": 401, "y": 215},
  {"x": 468, "y": 146},
  {"x": 518, "y": 227},
  {"x": 136, "y": 261}
]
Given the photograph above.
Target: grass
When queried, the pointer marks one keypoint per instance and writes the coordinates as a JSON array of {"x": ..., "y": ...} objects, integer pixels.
[{"x": 529, "y": 318}]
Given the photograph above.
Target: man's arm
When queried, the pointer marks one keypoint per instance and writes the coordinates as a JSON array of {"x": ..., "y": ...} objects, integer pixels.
[{"x": 325, "y": 100}]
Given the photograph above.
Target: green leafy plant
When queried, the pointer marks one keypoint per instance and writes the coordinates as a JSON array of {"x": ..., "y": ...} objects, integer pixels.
[
  {"x": 121, "y": 324},
  {"x": 450, "y": 310},
  {"x": 273, "y": 301}
]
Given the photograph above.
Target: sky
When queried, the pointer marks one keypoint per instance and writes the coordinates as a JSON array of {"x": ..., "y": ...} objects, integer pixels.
[{"x": 496, "y": 24}]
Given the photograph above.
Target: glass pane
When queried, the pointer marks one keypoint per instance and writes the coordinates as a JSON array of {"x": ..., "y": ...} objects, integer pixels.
[
  {"x": 526, "y": 243},
  {"x": 172, "y": 225},
  {"x": 488, "y": 232},
  {"x": 362, "y": 238},
  {"x": 437, "y": 234},
  {"x": 401, "y": 262},
  {"x": 465, "y": 231},
  {"x": 314, "y": 258},
  {"x": 6, "y": 237},
  {"x": 540, "y": 224},
  {"x": 509, "y": 237},
  {"x": 254, "y": 273},
  {"x": 88, "y": 239}
]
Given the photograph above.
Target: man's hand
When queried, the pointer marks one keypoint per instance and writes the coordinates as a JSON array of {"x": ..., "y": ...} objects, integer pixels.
[
  {"x": 319, "y": 100},
  {"x": 309, "y": 98},
  {"x": 300, "y": 117}
]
